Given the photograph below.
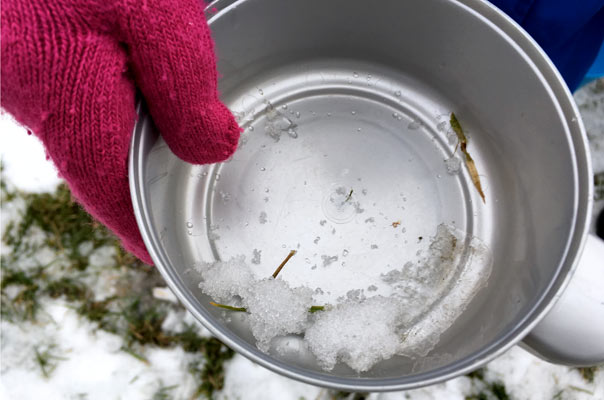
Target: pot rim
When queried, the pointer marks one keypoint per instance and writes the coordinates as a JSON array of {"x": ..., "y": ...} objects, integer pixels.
[{"x": 583, "y": 199}]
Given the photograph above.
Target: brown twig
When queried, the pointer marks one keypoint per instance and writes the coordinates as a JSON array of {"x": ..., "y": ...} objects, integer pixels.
[{"x": 280, "y": 267}]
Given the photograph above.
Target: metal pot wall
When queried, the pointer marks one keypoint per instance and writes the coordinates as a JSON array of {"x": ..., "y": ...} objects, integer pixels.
[{"x": 363, "y": 93}]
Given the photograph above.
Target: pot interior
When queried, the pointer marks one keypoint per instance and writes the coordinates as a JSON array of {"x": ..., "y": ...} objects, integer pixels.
[{"x": 348, "y": 157}]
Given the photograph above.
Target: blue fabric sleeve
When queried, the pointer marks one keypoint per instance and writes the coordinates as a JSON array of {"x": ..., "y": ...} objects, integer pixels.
[{"x": 570, "y": 31}]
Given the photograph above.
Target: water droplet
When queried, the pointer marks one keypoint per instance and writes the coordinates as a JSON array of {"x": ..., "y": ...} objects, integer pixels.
[
  {"x": 266, "y": 190},
  {"x": 251, "y": 129},
  {"x": 225, "y": 196},
  {"x": 189, "y": 225},
  {"x": 397, "y": 93},
  {"x": 356, "y": 75},
  {"x": 292, "y": 133},
  {"x": 358, "y": 129},
  {"x": 416, "y": 124},
  {"x": 353, "y": 112},
  {"x": 316, "y": 241},
  {"x": 189, "y": 233},
  {"x": 368, "y": 77},
  {"x": 345, "y": 253},
  {"x": 329, "y": 114},
  {"x": 262, "y": 169},
  {"x": 453, "y": 165},
  {"x": 217, "y": 177},
  {"x": 438, "y": 176},
  {"x": 297, "y": 114},
  {"x": 283, "y": 246},
  {"x": 204, "y": 173},
  {"x": 442, "y": 126},
  {"x": 284, "y": 106},
  {"x": 257, "y": 256},
  {"x": 261, "y": 92},
  {"x": 349, "y": 80},
  {"x": 395, "y": 115}
]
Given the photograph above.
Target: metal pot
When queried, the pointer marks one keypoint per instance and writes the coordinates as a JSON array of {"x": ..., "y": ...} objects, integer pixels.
[{"x": 368, "y": 90}]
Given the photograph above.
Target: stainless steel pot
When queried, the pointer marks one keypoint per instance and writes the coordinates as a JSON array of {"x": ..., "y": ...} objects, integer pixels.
[{"x": 343, "y": 93}]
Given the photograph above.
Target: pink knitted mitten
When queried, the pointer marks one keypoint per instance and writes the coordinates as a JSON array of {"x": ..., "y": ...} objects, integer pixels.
[{"x": 69, "y": 71}]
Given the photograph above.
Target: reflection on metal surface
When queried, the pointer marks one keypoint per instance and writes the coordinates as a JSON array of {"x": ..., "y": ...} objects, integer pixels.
[{"x": 368, "y": 101}]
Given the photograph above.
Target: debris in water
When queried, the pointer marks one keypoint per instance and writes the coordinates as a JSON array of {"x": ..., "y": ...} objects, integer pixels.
[
  {"x": 349, "y": 196},
  {"x": 463, "y": 143},
  {"x": 257, "y": 254},
  {"x": 280, "y": 267}
]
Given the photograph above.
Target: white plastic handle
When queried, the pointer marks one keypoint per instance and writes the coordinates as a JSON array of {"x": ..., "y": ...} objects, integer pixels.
[{"x": 572, "y": 333}]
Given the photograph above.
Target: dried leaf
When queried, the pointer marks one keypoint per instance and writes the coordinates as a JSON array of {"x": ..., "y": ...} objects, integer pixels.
[{"x": 463, "y": 143}]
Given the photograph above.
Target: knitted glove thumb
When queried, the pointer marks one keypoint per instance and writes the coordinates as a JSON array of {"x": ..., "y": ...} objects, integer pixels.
[{"x": 69, "y": 73}]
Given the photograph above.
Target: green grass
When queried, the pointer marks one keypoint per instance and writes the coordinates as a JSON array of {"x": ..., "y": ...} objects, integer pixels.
[
  {"x": 64, "y": 228},
  {"x": 341, "y": 395},
  {"x": 588, "y": 373},
  {"x": 489, "y": 390},
  {"x": 24, "y": 305},
  {"x": 163, "y": 393},
  {"x": 46, "y": 360}
]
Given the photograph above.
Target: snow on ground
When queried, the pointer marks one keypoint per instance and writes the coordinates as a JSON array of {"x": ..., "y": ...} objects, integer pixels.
[
  {"x": 89, "y": 362},
  {"x": 84, "y": 362},
  {"x": 24, "y": 158}
]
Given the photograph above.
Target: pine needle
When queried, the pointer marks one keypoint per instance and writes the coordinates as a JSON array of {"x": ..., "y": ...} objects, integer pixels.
[
  {"x": 280, "y": 267},
  {"x": 230, "y": 308},
  {"x": 312, "y": 309}
]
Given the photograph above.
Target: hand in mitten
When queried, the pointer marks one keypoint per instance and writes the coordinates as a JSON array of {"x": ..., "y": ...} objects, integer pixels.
[{"x": 69, "y": 73}]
